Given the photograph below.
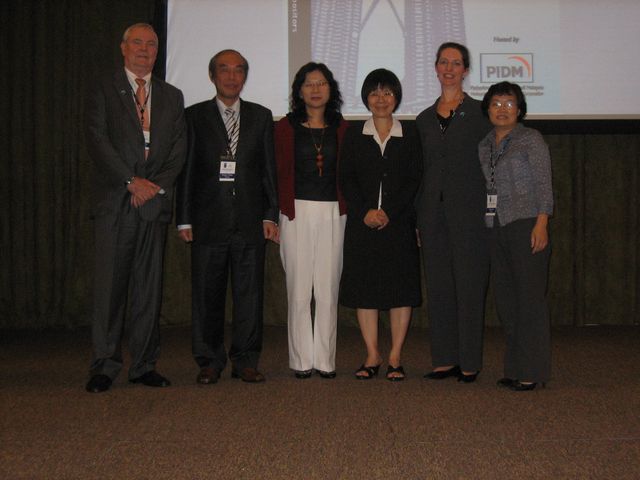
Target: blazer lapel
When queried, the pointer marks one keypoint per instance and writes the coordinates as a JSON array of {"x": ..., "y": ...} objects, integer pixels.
[
  {"x": 126, "y": 95},
  {"x": 246, "y": 125},
  {"x": 214, "y": 122},
  {"x": 158, "y": 107}
]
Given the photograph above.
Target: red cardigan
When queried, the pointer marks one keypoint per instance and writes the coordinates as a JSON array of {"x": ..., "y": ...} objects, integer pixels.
[{"x": 285, "y": 161}]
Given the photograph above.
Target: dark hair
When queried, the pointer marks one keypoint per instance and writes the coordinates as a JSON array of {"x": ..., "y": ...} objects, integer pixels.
[
  {"x": 214, "y": 59},
  {"x": 381, "y": 78},
  {"x": 464, "y": 51},
  {"x": 296, "y": 103},
  {"x": 505, "y": 88}
]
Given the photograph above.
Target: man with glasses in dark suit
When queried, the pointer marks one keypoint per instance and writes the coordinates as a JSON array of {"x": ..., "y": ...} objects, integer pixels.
[{"x": 227, "y": 207}]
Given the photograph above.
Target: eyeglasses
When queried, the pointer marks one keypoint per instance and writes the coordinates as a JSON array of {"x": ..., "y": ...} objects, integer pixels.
[
  {"x": 509, "y": 104},
  {"x": 381, "y": 92},
  {"x": 315, "y": 84}
]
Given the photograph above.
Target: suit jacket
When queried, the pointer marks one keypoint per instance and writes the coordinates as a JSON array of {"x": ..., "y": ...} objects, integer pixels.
[
  {"x": 363, "y": 167},
  {"x": 452, "y": 168},
  {"x": 116, "y": 144},
  {"x": 217, "y": 209}
]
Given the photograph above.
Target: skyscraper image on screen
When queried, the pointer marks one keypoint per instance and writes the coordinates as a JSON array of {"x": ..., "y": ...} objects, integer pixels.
[{"x": 337, "y": 27}]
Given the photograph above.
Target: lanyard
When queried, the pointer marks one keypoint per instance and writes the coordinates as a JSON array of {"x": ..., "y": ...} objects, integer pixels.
[
  {"x": 493, "y": 161},
  {"x": 143, "y": 107}
]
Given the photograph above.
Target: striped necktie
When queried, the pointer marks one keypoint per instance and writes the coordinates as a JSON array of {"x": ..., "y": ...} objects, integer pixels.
[{"x": 231, "y": 124}]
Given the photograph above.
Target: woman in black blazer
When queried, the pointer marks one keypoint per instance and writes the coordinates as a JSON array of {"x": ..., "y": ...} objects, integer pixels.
[{"x": 379, "y": 175}]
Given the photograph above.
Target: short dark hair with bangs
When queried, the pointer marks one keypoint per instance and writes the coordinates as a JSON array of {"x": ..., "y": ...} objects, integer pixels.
[
  {"x": 381, "y": 78},
  {"x": 505, "y": 88}
]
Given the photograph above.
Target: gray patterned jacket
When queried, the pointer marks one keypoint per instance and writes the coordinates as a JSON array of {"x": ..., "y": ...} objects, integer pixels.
[{"x": 522, "y": 173}]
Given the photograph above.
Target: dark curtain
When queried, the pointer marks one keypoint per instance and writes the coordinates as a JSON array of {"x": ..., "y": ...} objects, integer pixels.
[{"x": 52, "y": 52}]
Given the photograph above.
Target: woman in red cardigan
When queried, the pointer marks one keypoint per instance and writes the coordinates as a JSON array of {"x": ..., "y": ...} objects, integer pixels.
[{"x": 312, "y": 217}]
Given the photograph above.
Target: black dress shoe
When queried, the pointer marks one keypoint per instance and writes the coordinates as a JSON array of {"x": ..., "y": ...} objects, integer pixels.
[
  {"x": 152, "y": 379},
  {"x": 324, "y": 374},
  {"x": 302, "y": 373},
  {"x": 98, "y": 383},
  {"x": 525, "y": 387},
  {"x": 506, "y": 382},
  {"x": 208, "y": 376},
  {"x": 442, "y": 374},
  {"x": 249, "y": 375},
  {"x": 468, "y": 378}
]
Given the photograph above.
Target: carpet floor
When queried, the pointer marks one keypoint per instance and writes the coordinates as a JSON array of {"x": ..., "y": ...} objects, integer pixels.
[{"x": 584, "y": 425}]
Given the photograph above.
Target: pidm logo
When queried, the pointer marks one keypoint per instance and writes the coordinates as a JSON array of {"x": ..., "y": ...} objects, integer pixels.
[{"x": 512, "y": 67}]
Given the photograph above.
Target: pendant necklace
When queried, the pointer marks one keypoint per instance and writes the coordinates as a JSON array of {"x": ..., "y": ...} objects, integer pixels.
[{"x": 318, "y": 148}]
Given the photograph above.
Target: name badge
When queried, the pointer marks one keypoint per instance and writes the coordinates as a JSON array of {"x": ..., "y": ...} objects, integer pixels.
[
  {"x": 227, "y": 169},
  {"x": 492, "y": 204},
  {"x": 147, "y": 139}
]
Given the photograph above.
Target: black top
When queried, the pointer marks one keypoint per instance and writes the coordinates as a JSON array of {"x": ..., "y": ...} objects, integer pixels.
[
  {"x": 444, "y": 122},
  {"x": 309, "y": 185}
]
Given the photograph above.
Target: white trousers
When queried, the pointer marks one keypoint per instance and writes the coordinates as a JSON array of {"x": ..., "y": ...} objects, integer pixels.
[{"x": 311, "y": 253}]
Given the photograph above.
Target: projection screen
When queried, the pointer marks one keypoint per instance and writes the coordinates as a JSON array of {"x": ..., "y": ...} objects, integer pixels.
[{"x": 574, "y": 59}]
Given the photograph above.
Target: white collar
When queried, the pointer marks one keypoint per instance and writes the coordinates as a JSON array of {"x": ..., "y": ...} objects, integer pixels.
[
  {"x": 132, "y": 78},
  {"x": 370, "y": 129},
  {"x": 222, "y": 107}
]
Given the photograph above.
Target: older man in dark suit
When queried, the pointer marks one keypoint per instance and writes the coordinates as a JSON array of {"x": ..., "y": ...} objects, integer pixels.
[
  {"x": 136, "y": 136},
  {"x": 227, "y": 206}
]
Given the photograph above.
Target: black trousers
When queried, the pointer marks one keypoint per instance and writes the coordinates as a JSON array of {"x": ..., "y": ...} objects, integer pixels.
[
  {"x": 129, "y": 257},
  {"x": 211, "y": 266},
  {"x": 520, "y": 284},
  {"x": 456, "y": 267}
]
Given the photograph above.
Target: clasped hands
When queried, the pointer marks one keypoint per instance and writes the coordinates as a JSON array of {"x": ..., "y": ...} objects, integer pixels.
[
  {"x": 142, "y": 190},
  {"x": 377, "y": 219}
]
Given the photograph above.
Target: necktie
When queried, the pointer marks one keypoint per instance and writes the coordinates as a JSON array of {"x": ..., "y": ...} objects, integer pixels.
[
  {"x": 141, "y": 103},
  {"x": 141, "y": 106},
  {"x": 231, "y": 124}
]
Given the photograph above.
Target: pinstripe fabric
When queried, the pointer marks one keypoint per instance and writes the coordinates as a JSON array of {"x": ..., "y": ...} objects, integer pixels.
[{"x": 231, "y": 124}]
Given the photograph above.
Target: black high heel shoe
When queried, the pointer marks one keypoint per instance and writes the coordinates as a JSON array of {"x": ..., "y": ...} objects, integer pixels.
[
  {"x": 518, "y": 386},
  {"x": 468, "y": 378},
  {"x": 442, "y": 374},
  {"x": 371, "y": 372},
  {"x": 394, "y": 378},
  {"x": 506, "y": 382}
]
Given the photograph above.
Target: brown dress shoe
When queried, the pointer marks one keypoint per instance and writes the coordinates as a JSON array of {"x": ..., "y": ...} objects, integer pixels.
[
  {"x": 208, "y": 375},
  {"x": 250, "y": 375}
]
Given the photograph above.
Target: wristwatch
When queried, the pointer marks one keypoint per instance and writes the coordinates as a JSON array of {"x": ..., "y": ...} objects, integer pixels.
[{"x": 129, "y": 180}]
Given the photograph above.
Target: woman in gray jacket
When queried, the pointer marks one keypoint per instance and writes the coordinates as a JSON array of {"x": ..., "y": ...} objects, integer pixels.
[
  {"x": 449, "y": 208},
  {"x": 516, "y": 164}
]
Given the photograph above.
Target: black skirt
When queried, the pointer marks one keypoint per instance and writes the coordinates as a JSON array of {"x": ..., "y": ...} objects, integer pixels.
[{"x": 381, "y": 268}]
